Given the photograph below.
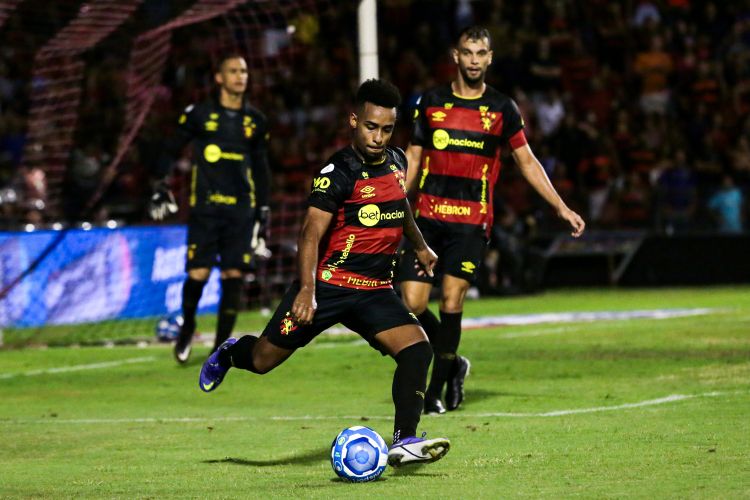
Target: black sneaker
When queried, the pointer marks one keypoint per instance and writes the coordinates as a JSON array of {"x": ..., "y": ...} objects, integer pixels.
[
  {"x": 433, "y": 406},
  {"x": 182, "y": 348},
  {"x": 454, "y": 392}
]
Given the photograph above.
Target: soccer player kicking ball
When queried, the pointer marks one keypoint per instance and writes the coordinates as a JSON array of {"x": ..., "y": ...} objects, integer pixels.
[
  {"x": 358, "y": 213},
  {"x": 454, "y": 158}
]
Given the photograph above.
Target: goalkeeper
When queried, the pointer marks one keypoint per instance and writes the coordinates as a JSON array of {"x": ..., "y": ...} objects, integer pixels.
[{"x": 229, "y": 196}]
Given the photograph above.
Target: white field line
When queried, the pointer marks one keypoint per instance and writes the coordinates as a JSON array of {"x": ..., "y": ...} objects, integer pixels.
[
  {"x": 556, "y": 413},
  {"x": 77, "y": 368}
]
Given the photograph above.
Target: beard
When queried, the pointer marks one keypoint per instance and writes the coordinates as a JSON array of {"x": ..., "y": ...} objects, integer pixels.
[{"x": 471, "y": 80}]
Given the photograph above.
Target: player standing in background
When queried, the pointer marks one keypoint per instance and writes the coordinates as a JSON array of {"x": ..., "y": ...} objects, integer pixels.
[
  {"x": 229, "y": 195},
  {"x": 454, "y": 160},
  {"x": 347, "y": 249}
]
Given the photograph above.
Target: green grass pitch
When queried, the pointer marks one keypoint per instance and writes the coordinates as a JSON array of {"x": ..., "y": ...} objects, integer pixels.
[{"x": 654, "y": 408}]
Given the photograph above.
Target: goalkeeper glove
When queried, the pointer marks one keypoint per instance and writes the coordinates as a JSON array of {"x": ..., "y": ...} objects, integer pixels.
[
  {"x": 162, "y": 203},
  {"x": 261, "y": 233}
]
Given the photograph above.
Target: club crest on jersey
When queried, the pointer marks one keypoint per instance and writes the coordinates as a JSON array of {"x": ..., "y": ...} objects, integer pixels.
[
  {"x": 249, "y": 126},
  {"x": 486, "y": 117},
  {"x": 287, "y": 324}
]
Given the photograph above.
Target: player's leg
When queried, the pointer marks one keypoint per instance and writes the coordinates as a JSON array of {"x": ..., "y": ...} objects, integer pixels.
[
  {"x": 415, "y": 292},
  {"x": 201, "y": 257},
  {"x": 235, "y": 253},
  {"x": 280, "y": 338},
  {"x": 229, "y": 305},
  {"x": 450, "y": 368},
  {"x": 395, "y": 331},
  {"x": 462, "y": 256}
]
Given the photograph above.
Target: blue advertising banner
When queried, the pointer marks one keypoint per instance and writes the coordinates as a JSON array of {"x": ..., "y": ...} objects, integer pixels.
[{"x": 95, "y": 275}]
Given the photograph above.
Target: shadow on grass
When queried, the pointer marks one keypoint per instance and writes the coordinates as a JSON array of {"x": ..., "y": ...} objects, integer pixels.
[
  {"x": 414, "y": 470},
  {"x": 310, "y": 457}
]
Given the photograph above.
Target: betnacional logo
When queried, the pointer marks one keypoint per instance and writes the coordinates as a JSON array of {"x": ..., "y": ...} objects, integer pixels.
[
  {"x": 370, "y": 215},
  {"x": 213, "y": 153},
  {"x": 441, "y": 140}
]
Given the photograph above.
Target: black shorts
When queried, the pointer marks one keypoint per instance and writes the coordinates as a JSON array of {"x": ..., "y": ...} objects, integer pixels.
[
  {"x": 459, "y": 253},
  {"x": 367, "y": 312},
  {"x": 220, "y": 240}
]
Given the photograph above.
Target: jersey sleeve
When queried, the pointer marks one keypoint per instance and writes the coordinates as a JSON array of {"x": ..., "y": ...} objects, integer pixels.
[
  {"x": 188, "y": 126},
  {"x": 513, "y": 126},
  {"x": 331, "y": 188},
  {"x": 259, "y": 162},
  {"x": 421, "y": 126}
]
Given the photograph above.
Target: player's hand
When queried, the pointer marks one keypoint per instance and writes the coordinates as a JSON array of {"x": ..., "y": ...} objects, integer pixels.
[
  {"x": 161, "y": 203},
  {"x": 426, "y": 260},
  {"x": 263, "y": 220},
  {"x": 304, "y": 306},
  {"x": 575, "y": 221},
  {"x": 261, "y": 233}
]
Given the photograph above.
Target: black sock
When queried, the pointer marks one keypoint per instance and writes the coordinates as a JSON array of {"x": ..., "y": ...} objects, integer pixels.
[
  {"x": 445, "y": 347},
  {"x": 408, "y": 388},
  {"x": 231, "y": 296},
  {"x": 240, "y": 354},
  {"x": 431, "y": 325},
  {"x": 191, "y": 295},
  {"x": 451, "y": 329}
]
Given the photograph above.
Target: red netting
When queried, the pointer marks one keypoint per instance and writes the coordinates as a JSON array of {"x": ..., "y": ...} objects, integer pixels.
[{"x": 56, "y": 89}]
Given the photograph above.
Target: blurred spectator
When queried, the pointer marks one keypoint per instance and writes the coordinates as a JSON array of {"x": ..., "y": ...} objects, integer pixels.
[
  {"x": 727, "y": 206},
  {"x": 676, "y": 195},
  {"x": 654, "y": 67}
]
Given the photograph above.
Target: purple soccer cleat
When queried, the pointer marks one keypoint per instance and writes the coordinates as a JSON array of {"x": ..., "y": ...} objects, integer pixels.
[
  {"x": 212, "y": 373},
  {"x": 414, "y": 450}
]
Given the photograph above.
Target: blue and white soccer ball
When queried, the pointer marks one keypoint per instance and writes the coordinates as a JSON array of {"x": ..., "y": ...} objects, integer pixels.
[
  {"x": 359, "y": 454},
  {"x": 168, "y": 327}
]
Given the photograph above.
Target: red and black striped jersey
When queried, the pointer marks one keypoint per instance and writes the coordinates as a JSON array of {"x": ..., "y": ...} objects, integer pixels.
[
  {"x": 462, "y": 140},
  {"x": 368, "y": 201}
]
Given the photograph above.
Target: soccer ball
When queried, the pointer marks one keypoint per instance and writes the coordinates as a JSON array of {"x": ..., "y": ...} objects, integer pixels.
[
  {"x": 168, "y": 327},
  {"x": 359, "y": 454}
]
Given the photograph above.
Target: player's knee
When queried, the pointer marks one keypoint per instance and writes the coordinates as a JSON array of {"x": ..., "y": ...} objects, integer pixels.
[
  {"x": 417, "y": 355},
  {"x": 260, "y": 366},
  {"x": 231, "y": 274},
  {"x": 199, "y": 274},
  {"x": 452, "y": 303}
]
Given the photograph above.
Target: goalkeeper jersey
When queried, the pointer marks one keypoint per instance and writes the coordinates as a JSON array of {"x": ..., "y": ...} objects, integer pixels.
[
  {"x": 230, "y": 165},
  {"x": 368, "y": 201},
  {"x": 462, "y": 139}
]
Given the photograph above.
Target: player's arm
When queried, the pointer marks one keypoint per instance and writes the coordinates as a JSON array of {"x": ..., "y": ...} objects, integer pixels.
[
  {"x": 414, "y": 159},
  {"x": 534, "y": 173},
  {"x": 261, "y": 171},
  {"x": 426, "y": 257},
  {"x": 414, "y": 150},
  {"x": 162, "y": 202},
  {"x": 314, "y": 227}
]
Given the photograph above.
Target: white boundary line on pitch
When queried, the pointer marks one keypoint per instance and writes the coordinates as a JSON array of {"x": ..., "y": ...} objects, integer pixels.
[
  {"x": 556, "y": 413},
  {"x": 77, "y": 368}
]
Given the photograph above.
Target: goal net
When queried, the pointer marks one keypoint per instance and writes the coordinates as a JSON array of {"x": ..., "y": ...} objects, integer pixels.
[{"x": 102, "y": 85}]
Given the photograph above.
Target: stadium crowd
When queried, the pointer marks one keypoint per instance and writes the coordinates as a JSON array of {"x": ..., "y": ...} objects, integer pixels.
[{"x": 639, "y": 110}]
